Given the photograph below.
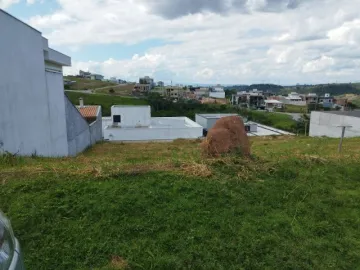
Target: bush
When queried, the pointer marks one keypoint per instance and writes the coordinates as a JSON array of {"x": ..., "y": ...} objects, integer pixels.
[{"x": 111, "y": 91}]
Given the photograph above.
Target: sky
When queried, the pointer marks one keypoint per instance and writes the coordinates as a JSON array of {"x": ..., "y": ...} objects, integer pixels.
[{"x": 203, "y": 41}]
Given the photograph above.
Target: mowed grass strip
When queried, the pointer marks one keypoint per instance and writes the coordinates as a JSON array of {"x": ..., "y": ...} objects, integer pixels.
[{"x": 293, "y": 205}]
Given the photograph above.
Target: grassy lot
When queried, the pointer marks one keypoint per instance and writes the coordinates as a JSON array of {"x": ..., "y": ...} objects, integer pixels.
[
  {"x": 119, "y": 90},
  {"x": 85, "y": 84},
  {"x": 295, "y": 109},
  {"x": 104, "y": 100},
  {"x": 294, "y": 205}
]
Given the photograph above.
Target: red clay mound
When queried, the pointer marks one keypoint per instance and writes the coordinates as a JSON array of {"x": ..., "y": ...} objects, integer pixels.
[{"x": 227, "y": 135}]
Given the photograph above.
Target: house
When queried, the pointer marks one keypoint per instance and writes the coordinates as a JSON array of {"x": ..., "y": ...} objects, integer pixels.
[
  {"x": 201, "y": 92},
  {"x": 217, "y": 92},
  {"x": 142, "y": 88},
  {"x": 175, "y": 92},
  {"x": 147, "y": 80},
  {"x": 294, "y": 99},
  {"x": 207, "y": 121},
  {"x": 272, "y": 104},
  {"x": 252, "y": 99},
  {"x": 160, "y": 84},
  {"x": 329, "y": 124},
  {"x": 113, "y": 79},
  {"x": 97, "y": 77},
  {"x": 36, "y": 116},
  {"x": 134, "y": 123},
  {"x": 84, "y": 74},
  {"x": 311, "y": 98},
  {"x": 327, "y": 101}
]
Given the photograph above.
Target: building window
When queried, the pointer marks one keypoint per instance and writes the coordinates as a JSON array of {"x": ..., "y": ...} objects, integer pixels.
[{"x": 117, "y": 118}]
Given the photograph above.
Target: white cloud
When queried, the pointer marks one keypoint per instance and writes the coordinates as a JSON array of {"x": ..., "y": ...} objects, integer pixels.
[
  {"x": 320, "y": 64},
  {"x": 7, "y": 3},
  {"x": 214, "y": 44}
]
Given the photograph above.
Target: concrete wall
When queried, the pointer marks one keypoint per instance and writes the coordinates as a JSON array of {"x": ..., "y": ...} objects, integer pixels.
[
  {"x": 326, "y": 124},
  {"x": 149, "y": 134},
  {"x": 217, "y": 94},
  {"x": 78, "y": 132},
  {"x": 133, "y": 116},
  {"x": 25, "y": 125},
  {"x": 96, "y": 129},
  {"x": 202, "y": 121}
]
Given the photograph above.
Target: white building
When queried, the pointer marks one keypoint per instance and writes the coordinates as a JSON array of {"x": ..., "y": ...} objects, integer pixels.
[
  {"x": 207, "y": 121},
  {"x": 217, "y": 92},
  {"x": 294, "y": 99},
  {"x": 272, "y": 104},
  {"x": 35, "y": 115},
  {"x": 134, "y": 123},
  {"x": 329, "y": 124},
  {"x": 96, "y": 77}
]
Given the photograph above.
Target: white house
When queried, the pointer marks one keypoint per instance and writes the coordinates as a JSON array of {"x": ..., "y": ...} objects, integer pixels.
[
  {"x": 134, "y": 123},
  {"x": 294, "y": 99},
  {"x": 217, "y": 92},
  {"x": 271, "y": 104},
  {"x": 207, "y": 121},
  {"x": 329, "y": 124},
  {"x": 35, "y": 115},
  {"x": 96, "y": 77}
]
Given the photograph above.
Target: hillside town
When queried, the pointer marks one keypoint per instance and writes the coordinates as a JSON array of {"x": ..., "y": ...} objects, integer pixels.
[{"x": 144, "y": 172}]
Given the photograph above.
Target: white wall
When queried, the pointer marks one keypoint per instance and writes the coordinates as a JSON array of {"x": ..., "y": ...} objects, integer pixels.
[
  {"x": 217, "y": 94},
  {"x": 326, "y": 124},
  {"x": 202, "y": 121},
  {"x": 24, "y": 108},
  {"x": 133, "y": 116},
  {"x": 152, "y": 134},
  {"x": 56, "y": 103}
]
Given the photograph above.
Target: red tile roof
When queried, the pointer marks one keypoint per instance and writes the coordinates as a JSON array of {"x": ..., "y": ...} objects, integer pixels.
[{"x": 88, "y": 112}]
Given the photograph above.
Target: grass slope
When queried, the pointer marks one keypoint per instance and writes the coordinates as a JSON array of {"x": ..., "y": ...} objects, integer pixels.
[
  {"x": 119, "y": 90},
  {"x": 105, "y": 101},
  {"x": 294, "y": 205},
  {"x": 85, "y": 84}
]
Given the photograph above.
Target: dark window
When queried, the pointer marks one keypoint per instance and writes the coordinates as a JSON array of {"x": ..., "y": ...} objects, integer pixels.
[
  {"x": 247, "y": 128},
  {"x": 117, "y": 118}
]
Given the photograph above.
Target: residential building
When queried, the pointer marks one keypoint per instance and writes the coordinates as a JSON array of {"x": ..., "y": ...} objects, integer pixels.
[
  {"x": 342, "y": 102},
  {"x": 84, "y": 74},
  {"x": 114, "y": 80},
  {"x": 294, "y": 99},
  {"x": 201, "y": 92},
  {"x": 222, "y": 101},
  {"x": 207, "y": 121},
  {"x": 217, "y": 92},
  {"x": 174, "y": 92},
  {"x": 160, "y": 84},
  {"x": 142, "y": 88},
  {"x": 330, "y": 124},
  {"x": 134, "y": 123},
  {"x": 326, "y": 101},
  {"x": 97, "y": 77},
  {"x": 253, "y": 99},
  {"x": 311, "y": 98},
  {"x": 147, "y": 80},
  {"x": 273, "y": 104},
  {"x": 36, "y": 116}
]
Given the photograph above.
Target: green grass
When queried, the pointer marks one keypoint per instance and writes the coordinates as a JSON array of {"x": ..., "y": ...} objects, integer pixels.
[
  {"x": 86, "y": 84},
  {"x": 105, "y": 101},
  {"x": 295, "y": 109},
  {"x": 120, "y": 90},
  {"x": 294, "y": 205},
  {"x": 276, "y": 120}
]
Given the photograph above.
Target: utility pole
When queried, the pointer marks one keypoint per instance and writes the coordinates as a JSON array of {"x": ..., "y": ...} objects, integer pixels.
[{"x": 342, "y": 137}]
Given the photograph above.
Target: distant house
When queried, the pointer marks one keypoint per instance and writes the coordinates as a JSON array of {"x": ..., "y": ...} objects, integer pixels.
[
  {"x": 327, "y": 101},
  {"x": 97, "y": 77},
  {"x": 142, "y": 88},
  {"x": 311, "y": 98},
  {"x": 175, "y": 92},
  {"x": 37, "y": 118},
  {"x": 272, "y": 104},
  {"x": 217, "y": 92},
  {"x": 294, "y": 99},
  {"x": 84, "y": 74},
  {"x": 147, "y": 80},
  {"x": 160, "y": 84}
]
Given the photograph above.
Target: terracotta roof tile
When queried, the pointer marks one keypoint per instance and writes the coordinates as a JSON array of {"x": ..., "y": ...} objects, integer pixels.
[{"x": 88, "y": 112}]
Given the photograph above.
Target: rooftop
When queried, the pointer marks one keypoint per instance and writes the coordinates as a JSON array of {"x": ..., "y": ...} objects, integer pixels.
[
  {"x": 273, "y": 101},
  {"x": 263, "y": 130},
  {"x": 346, "y": 113},
  {"x": 217, "y": 115},
  {"x": 89, "y": 112}
]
